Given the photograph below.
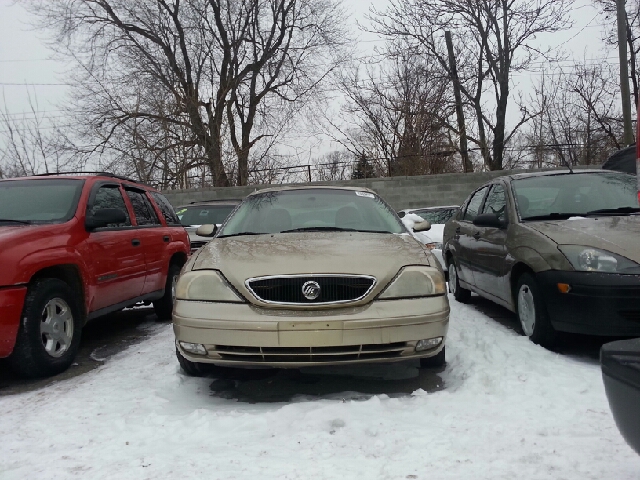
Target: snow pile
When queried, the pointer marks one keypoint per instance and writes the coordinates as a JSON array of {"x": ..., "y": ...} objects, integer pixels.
[
  {"x": 508, "y": 409},
  {"x": 409, "y": 220}
]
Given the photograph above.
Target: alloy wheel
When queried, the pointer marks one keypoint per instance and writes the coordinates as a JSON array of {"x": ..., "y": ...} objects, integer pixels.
[
  {"x": 526, "y": 310},
  {"x": 56, "y": 327}
]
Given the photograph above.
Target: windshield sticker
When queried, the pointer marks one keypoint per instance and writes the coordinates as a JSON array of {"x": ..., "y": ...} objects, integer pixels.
[{"x": 365, "y": 194}]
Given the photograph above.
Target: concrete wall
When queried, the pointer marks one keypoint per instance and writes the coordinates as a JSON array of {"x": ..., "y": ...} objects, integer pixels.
[{"x": 399, "y": 192}]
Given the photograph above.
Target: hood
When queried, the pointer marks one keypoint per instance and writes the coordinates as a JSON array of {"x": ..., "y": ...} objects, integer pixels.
[
  {"x": 378, "y": 255},
  {"x": 617, "y": 234}
]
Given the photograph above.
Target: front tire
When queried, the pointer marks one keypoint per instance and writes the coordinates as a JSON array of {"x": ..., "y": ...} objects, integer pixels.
[
  {"x": 191, "y": 369},
  {"x": 164, "y": 306},
  {"x": 462, "y": 295},
  {"x": 436, "y": 361},
  {"x": 50, "y": 328},
  {"x": 532, "y": 312}
]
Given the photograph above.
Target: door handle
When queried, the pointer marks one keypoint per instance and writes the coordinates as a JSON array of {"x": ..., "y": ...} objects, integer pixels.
[
  {"x": 476, "y": 235},
  {"x": 166, "y": 238},
  {"x": 135, "y": 242}
]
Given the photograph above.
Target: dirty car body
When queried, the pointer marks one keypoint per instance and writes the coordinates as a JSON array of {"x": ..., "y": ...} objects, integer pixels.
[
  {"x": 311, "y": 276},
  {"x": 573, "y": 236}
]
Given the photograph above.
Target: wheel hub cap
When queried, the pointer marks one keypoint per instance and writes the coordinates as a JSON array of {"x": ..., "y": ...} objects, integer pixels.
[
  {"x": 56, "y": 327},
  {"x": 453, "y": 278},
  {"x": 526, "y": 310}
]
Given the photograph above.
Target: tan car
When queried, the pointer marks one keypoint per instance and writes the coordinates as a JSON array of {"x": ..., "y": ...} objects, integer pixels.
[
  {"x": 561, "y": 249},
  {"x": 311, "y": 276}
]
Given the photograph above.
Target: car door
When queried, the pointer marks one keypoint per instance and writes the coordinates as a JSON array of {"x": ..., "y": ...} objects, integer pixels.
[
  {"x": 489, "y": 248},
  {"x": 115, "y": 260},
  {"x": 463, "y": 235},
  {"x": 153, "y": 238}
]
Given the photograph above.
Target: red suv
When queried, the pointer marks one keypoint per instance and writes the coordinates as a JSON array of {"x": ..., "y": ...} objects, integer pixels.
[{"x": 75, "y": 247}]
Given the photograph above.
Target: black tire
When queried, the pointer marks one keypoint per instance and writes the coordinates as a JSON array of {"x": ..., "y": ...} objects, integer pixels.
[
  {"x": 541, "y": 332},
  {"x": 50, "y": 330},
  {"x": 462, "y": 295},
  {"x": 164, "y": 306},
  {"x": 436, "y": 361},
  {"x": 192, "y": 369}
]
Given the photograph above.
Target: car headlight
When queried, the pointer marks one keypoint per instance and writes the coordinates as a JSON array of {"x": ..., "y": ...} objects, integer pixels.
[
  {"x": 415, "y": 282},
  {"x": 205, "y": 285},
  {"x": 589, "y": 259}
]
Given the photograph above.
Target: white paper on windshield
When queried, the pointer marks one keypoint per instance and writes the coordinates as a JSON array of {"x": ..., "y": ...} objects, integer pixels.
[{"x": 365, "y": 194}]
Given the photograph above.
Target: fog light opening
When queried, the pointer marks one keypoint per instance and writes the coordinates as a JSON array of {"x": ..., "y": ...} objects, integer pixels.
[
  {"x": 564, "y": 287},
  {"x": 195, "y": 348},
  {"x": 428, "y": 343}
]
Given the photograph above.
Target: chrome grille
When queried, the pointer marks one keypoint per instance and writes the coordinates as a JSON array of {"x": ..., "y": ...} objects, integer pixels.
[
  {"x": 287, "y": 289},
  {"x": 310, "y": 354}
]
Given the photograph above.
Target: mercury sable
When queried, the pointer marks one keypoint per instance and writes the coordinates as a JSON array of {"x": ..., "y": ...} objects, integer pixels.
[{"x": 311, "y": 276}]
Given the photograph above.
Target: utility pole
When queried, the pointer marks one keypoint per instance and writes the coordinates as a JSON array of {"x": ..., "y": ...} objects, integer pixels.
[
  {"x": 464, "y": 151},
  {"x": 624, "y": 72}
]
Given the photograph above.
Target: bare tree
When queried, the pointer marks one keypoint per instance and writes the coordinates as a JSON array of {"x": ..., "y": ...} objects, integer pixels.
[
  {"x": 492, "y": 40},
  {"x": 581, "y": 122},
  {"x": 199, "y": 68},
  {"x": 31, "y": 143},
  {"x": 334, "y": 165},
  {"x": 398, "y": 107},
  {"x": 608, "y": 9}
]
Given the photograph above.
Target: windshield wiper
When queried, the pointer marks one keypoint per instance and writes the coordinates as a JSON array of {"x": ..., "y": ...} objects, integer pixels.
[
  {"x": 331, "y": 229},
  {"x": 23, "y": 222},
  {"x": 615, "y": 211},
  {"x": 242, "y": 233},
  {"x": 554, "y": 216}
]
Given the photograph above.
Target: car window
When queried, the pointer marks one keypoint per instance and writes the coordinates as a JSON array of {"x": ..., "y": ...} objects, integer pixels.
[
  {"x": 312, "y": 209},
  {"x": 496, "y": 202},
  {"x": 165, "y": 207},
  {"x": 110, "y": 196},
  {"x": 474, "y": 204},
  {"x": 201, "y": 214},
  {"x": 39, "y": 201},
  {"x": 145, "y": 214},
  {"x": 437, "y": 216},
  {"x": 574, "y": 194}
]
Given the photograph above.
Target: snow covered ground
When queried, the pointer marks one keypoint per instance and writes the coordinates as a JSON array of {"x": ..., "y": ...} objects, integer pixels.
[{"x": 504, "y": 409}]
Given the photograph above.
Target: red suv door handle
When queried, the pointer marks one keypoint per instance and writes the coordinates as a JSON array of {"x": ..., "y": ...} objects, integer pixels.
[
  {"x": 166, "y": 238},
  {"x": 135, "y": 242}
]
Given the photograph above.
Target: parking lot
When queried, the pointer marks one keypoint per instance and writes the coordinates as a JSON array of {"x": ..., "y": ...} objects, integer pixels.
[{"x": 502, "y": 407}]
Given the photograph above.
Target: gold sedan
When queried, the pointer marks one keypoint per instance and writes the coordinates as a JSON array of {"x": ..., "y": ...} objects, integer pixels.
[{"x": 310, "y": 276}]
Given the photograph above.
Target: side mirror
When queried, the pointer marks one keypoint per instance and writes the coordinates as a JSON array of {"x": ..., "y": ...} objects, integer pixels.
[
  {"x": 422, "y": 226},
  {"x": 104, "y": 217},
  {"x": 488, "y": 220},
  {"x": 206, "y": 230}
]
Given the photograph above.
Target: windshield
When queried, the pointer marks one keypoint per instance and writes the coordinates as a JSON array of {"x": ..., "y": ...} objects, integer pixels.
[
  {"x": 312, "y": 209},
  {"x": 574, "y": 194},
  {"x": 204, "y": 214},
  {"x": 39, "y": 201},
  {"x": 437, "y": 216}
]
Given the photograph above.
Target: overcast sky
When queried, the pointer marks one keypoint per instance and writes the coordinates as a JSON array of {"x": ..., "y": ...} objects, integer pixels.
[{"x": 24, "y": 59}]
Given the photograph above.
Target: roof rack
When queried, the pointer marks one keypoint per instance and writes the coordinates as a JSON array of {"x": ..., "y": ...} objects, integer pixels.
[{"x": 102, "y": 174}]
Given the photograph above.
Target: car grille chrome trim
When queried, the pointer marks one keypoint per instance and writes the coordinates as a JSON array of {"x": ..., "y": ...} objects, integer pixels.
[
  {"x": 288, "y": 289},
  {"x": 311, "y": 354}
]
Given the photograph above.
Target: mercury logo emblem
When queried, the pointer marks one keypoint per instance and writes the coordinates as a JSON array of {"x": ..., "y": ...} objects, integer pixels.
[{"x": 311, "y": 290}]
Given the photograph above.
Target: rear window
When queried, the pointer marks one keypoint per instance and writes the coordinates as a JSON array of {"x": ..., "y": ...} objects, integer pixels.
[
  {"x": 437, "y": 216},
  {"x": 165, "y": 207},
  {"x": 39, "y": 201},
  {"x": 204, "y": 214}
]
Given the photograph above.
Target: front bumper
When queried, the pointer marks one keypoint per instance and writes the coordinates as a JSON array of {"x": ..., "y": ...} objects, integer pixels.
[
  {"x": 11, "y": 303},
  {"x": 598, "y": 303},
  {"x": 243, "y": 334}
]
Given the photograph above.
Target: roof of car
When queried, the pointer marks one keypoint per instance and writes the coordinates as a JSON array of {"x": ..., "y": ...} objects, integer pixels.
[
  {"x": 437, "y": 207},
  {"x": 81, "y": 176},
  {"x": 227, "y": 201},
  {"x": 312, "y": 187},
  {"x": 548, "y": 173}
]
